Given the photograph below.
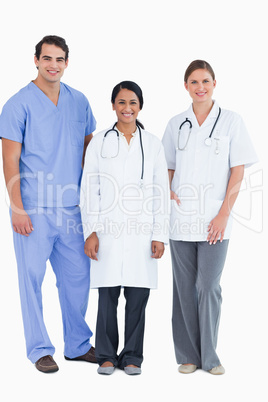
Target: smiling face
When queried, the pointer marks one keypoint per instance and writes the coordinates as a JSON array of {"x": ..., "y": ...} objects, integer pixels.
[
  {"x": 51, "y": 63},
  {"x": 200, "y": 86},
  {"x": 126, "y": 106}
]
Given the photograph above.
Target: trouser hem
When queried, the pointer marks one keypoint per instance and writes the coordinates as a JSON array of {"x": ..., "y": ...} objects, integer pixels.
[
  {"x": 78, "y": 354},
  {"x": 46, "y": 352},
  {"x": 129, "y": 361}
]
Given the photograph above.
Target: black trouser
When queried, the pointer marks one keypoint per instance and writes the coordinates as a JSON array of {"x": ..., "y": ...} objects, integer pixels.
[{"x": 107, "y": 329}]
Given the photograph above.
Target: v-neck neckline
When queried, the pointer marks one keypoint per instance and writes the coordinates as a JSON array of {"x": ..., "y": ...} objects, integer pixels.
[
  {"x": 207, "y": 121},
  {"x": 48, "y": 100}
]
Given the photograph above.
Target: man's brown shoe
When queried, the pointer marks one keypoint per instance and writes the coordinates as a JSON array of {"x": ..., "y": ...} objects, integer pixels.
[
  {"x": 46, "y": 364},
  {"x": 87, "y": 357}
]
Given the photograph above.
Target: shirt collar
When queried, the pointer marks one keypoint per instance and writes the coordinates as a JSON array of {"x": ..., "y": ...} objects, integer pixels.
[
  {"x": 212, "y": 115},
  {"x": 122, "y": 134}
]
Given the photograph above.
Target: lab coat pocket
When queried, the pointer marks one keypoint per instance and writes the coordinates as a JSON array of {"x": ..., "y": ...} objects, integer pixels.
[
  {"x": 220, "y": 149},
  {"x": 77, "y": 133}
]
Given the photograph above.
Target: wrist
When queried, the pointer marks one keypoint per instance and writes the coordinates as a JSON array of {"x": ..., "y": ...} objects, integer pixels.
[
  {"x": 18, "y": 210},
  {"x": 93, "y": 234},
  {"x": 225, "y": 213}
]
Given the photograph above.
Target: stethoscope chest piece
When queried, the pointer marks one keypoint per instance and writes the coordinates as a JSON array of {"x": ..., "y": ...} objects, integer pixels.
[{"x": 208, "y": 142}]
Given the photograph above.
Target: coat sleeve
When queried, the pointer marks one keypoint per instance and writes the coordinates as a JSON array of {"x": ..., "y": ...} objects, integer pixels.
[
  {"x": 242, "y": 151},
  {"x": 169, "y": 147},
  {"x": 161, "y": 204},
  {"x": 90, "y": 191}
]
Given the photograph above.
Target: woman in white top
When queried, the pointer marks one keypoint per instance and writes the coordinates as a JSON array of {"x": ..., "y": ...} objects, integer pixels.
[
  {"x": 206, "y": 150},
  {"x": 125, "y": 216}
]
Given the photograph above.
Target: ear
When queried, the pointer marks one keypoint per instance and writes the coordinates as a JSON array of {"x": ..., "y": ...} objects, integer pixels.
[
  {"x": 186, "y": 86},
  {"x": 66, "y": 63},
  {"x": 214, "y": 83},
  {"x": 113, "y": 106},
  {"x": 36, "y": 62}
]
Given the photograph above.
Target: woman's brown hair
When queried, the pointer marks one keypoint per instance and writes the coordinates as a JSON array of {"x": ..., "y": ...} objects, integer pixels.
[{"x": 196, "y": 65}]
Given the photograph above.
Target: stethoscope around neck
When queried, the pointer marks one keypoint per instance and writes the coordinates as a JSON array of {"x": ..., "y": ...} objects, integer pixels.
[
  {"x": 116, "y": 154},
  {"x": 208, "y": 140}
]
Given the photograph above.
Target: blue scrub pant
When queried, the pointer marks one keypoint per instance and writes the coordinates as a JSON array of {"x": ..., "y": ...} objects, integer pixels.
[
  {"x": 57, "y": 237},
  {"x": 197, "y": 269}
]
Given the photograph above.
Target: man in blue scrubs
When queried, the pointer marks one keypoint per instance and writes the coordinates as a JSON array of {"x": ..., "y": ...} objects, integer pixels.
[{"x": 45, "y": 129}]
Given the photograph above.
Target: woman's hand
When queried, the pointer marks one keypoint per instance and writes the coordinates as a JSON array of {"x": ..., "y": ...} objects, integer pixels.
[
  {"x": 158, "y": 249},
  {"x": 91, "y": 247},
  {"x": 173, "y": 196},
  {"x": 216, "y": 228}
]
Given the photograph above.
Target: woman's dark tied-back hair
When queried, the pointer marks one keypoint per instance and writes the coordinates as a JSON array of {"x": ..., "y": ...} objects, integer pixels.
[
  {"x": 52, "y": 40},
  {"x": 131, "y": 86}
]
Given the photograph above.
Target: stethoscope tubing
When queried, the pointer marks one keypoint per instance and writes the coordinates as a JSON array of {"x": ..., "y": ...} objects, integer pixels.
[
  {"x": 207, "y": 140},
  {"x": 117, "y": 134}
]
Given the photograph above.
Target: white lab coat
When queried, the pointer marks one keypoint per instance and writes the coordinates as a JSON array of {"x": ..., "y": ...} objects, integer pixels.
[
  {"x": 202, "y": 174},
  {"x": 126, "y": 217}
]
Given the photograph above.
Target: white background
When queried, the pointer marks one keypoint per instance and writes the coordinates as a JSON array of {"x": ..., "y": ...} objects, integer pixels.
[{"x": 150, "y": 42}]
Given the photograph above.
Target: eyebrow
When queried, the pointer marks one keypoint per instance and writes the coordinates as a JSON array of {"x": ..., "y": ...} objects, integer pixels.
[
  {"x": 131, "y": 100},
  {"x": 49, "y": 57},
  {"x": 195, "y": 79}
]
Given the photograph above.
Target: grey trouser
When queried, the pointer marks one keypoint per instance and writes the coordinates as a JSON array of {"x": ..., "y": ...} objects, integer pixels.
[
  {"x": 107, "y": 331},
  {"x": 197, "y": 269}
]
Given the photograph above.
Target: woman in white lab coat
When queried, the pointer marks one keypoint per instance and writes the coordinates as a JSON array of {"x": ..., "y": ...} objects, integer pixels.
[
  {"x": 206, "y": 150},
  {"x": 125, "y": 219}
]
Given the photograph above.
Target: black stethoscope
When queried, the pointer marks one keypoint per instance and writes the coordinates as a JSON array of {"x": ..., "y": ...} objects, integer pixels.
[
  {"x": 114, "y": 156},
  {"x": 208, "y": 140}
]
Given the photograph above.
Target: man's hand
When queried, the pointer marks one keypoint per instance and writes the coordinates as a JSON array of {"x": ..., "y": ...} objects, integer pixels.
[
  {"x": 92, "y": 246},
  {"x": 22, "y": 223}
]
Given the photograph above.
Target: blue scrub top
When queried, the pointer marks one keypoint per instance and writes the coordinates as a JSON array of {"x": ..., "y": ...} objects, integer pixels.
[{"x": 52, "y": 139}]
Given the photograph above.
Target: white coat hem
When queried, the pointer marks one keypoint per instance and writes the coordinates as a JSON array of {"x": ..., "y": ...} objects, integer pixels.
[{"x": 147, "y": 286}]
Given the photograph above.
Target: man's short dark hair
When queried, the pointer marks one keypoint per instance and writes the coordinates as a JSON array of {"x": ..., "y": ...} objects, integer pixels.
[{"x": 52, "y": 40}]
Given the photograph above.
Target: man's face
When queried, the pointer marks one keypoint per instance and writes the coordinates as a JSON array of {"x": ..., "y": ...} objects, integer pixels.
[{"x": 51, "y": 63}]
